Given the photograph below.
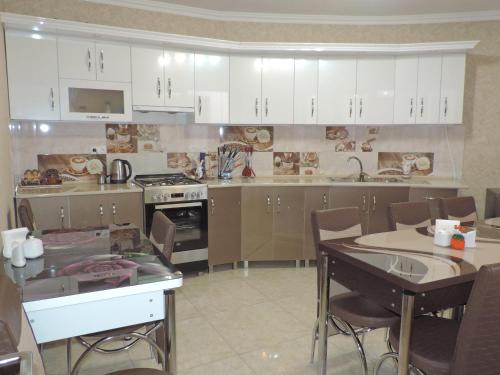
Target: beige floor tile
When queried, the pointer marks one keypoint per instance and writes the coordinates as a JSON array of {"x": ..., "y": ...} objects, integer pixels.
[
  {"x": 229, "y": 366},
  {"x": 302, "y": 307}
]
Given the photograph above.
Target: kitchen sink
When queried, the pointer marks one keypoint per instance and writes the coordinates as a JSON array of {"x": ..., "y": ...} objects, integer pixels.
[{"x": 385, "y": 180}]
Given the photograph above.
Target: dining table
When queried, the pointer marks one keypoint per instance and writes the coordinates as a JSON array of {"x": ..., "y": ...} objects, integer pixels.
[
  {"x": 404, "y": 272},
  {"x": 98, "y": 279}
]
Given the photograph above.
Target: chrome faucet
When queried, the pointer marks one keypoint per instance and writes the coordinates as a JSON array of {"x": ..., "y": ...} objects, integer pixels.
[{"x": 362, "y": 174}]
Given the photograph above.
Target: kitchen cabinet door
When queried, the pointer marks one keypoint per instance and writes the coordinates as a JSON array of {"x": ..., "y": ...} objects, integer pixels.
[
  {"x": 32, "y": 75},
  {"x": 431, "y": 195},
  {"x": 288, "y": 226},
  {"x": 148, "y": 88},
  {"x": 211, "y": 81},
  {"x": 76, "y": 58},
  {"x": 277, "y": 90},
  {"x": 179, "y": 79},
  {"x": 113, "y": 62},
  {"x": 49, "y": 212},
  {"x": 405, "y": 92},
  {"x": 224, "y": 225},
  {"x": 90, "y": 210},
  {"x": 245, "y": 90},
  {"x": 452, "y": 88},
  {"x": 316, "y": 198},
  {"x": 380, "y": 198},
  {"x": 125, "y": 208},
  {"x": 257, "y": 223},
  {"x": 353, "y": 196},
  {"x": 429, "y": 88},
  {"x": 375, "y": 90},
  {"x": 305, "y": 100},
  {"x": 337, "y": 91}
]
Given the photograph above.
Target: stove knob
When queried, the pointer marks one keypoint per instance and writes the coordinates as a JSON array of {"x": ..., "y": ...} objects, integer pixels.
[
  {"x": 198, "y": 195},
  {"x": 155, "y": 197},
  {"x": 165, "y": 197},
  {"x": 193, "y": 195}
]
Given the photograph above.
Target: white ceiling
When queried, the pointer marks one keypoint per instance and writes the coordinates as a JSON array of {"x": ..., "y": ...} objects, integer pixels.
[{"x": 343, "y": 7}]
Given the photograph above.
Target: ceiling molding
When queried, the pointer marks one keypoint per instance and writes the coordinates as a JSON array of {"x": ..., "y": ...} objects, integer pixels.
[
  {"x": 216, "y": 15},
  {"x": 81, "y": 29}
]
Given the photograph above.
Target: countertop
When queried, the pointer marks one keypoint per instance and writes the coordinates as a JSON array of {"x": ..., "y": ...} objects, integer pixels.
[
  {"x": 415, "y": 182},
  {"x": 76, "y": 189}
]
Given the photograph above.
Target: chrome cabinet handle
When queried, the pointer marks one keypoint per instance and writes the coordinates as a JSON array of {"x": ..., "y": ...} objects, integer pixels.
[
  {"x": 113, "y": 211},
  {"x": 325, "y": 201},
  {"x": 268, "y": 203},
  {"x": 279, "y": 204},
  {"x": 422, "y": 107},
  {"x": 360, "y": 107},
  {"x": 169, "y": 88},
  {"x": 89, "y": 62},
  {"x": 101, "y": 53},
  {"x": 445, "y": 106},
  {"x": 363, "y": 200},
  {"x": 52, "y": 102},
  {"x": 312, "y": 107},
  {"x": 256, "y": 107},
  {"x": 98, "y": 117},
  {"x": 158, "y": 86},
  {"x": 350, "y": 107},
  {"x": 199, "y": 105},
  {"x": 267, "y": 106},
  {"x": 61, "y": 216},
  {"x": 101, "y": 210},
  {"x": 374, "y": 201},
  {"x": 429, "y": 198},
  {"x": 212, "y": 206},
  {"x": 411, "y": 107}
]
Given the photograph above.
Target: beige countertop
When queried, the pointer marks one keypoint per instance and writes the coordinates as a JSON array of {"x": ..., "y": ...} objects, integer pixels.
[
  {"x": 415, "y": 182},
  {"x": 76, "y": 189}
]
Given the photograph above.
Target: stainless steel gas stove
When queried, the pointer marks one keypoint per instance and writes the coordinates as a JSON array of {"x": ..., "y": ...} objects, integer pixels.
[{"x": 184, "y": 201}]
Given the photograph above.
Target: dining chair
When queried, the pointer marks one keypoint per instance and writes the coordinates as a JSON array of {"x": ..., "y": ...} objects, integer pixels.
[
  {"x": 17, "y": 339},
  {"x": 349, "y": 309},
  {"x": 406, "y": 215},
  {"x": 458, "y": 208},
  {"x": 471, "y": 346},
  {"x": 162, "y": 236},
  {"x": 25, "y": 214}
]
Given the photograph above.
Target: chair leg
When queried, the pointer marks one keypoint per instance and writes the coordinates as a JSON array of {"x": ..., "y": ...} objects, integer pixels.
[
  {"x": 314, "y": 338},
  {"x": 381, "y": 360},
  {"x": 359, "y": 347},
  {"x": 68, "y": 355}
]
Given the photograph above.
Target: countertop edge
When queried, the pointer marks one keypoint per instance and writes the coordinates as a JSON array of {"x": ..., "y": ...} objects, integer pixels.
[{"x": 80, "y": 190}]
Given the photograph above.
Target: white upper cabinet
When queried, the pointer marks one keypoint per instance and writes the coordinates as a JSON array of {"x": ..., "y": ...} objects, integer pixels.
[
  {"x": 428, "y": 89},
  {"x": 375, "y": 90},
  {"x": 112, "y": 62},
  {"x": 148, "y": 86},
  {"x": 405, "y": 92},
  {"x": 179, "y": 79},
  {"x": 211, "y": 80},
  {"x": 32, "y": 76},
  {"x": 452, "y": 88},
  {"x": 277, "y": 90},
  {"x": 245, "y": 90},
  {"x": 85, "y": 59},
  {"x": 305, "y": 102},
  {"x": 337, "y": 91}
]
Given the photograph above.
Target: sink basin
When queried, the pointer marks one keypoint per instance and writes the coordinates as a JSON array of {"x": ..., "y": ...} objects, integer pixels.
[{"x": 384, "y": 180}]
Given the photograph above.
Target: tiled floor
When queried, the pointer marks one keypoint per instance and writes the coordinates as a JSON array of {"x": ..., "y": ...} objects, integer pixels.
[{"x": 241, "y": 322}]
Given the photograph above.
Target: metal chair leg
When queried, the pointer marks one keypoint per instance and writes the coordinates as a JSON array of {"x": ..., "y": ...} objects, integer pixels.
[
  {"x": 381, "y": 360},
  {"x": 314, "y": 338},
  {"x": 68, "y": 355},
  {"x": 359, "y": 347}
]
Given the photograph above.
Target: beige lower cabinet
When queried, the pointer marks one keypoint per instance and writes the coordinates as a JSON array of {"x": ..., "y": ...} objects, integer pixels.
[
  {"x": 352, "y": 196},
  {"x": 224, "y": 225},
  {"x": 432, "y": 196},
  {"x": 49, "y": 212},
  {"x": 315, "y": 198}
]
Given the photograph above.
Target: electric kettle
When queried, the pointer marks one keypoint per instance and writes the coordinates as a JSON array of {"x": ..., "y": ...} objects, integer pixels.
[{"x": 119, "y": 173}]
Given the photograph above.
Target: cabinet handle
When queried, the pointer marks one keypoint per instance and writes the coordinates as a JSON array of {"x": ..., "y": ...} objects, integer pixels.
[
  {"x": 113, "y": 210},
  {"x": 169, "y": 88},
  {"x": 312, "y": 107},
  {"x": 61, "y": 216},
  {"x": 199, "y": 105},
  {"x": 256, "y": 107},
  {"x": 411, "y": 107},
  {"x": 101, "y": 210},
  {"x": 268, "y": 204},
  {"x": 430, "y": 198},
  {"x": 360, "y": 107},
  {"x": 374, "y": 201},
  {"x": 89, "y": 62},
  {"x": 102, "y": 60},
  {"x": 325, "y": 201},
  {"x": 279, "y": 204},
  {"x": 422, "y": 107},
  {"x": 445, "y": 106},
  {"x": 212, "y": 206},
  {"x": 52, "y": 103},
  {"x": 267, "y": 106},
  {"x": 363, "y": 200},
  {"x": 158, "y": 87},
  {"x": 97, "y": 117},
  {"x": 350, "y": 107}
]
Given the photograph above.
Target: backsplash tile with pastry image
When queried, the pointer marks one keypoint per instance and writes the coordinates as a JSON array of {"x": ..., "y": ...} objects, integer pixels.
[
  {"x": 367, "y": 137},
  {"x": 148, "y": 138},
  {"x": 343, "y": 138},
  {"x": 184, "y": 162},
  {"x": 121, "y": 138},
  {"x": 260, "y": 137},
  {"x": 309, "y": 163},
  {"x": 422, "y": 163},
  {"x": 286, "y": 163},
  {"x": 74, "y": 167}
]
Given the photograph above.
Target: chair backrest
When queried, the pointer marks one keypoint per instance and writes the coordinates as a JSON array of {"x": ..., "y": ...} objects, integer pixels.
[
  {"x": 477, "y": 348},
  {"x": 458, "y": 208},
  {"x": 25, "y": 214},
  {"x": 163, "y": 233},
  {"x": 409, "y": 215}
]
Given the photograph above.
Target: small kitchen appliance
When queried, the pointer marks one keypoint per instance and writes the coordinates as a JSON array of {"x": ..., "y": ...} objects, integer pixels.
[{"x": 121, "y": 171}]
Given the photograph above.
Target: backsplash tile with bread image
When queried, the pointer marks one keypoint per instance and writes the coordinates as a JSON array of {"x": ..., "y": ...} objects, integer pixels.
[
  {"x": 421, "y": 163},
  {"x": 343, "y": 138},
  {"x": 286, "y": 163},
  {"x": 121, "y": 139},
  {"x": 74, "y": 167},
  {"x": 260, "y": 137}
]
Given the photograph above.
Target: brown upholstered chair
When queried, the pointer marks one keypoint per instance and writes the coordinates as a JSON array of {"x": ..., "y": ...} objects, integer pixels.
[
  {"x": 25, "y": 214},
  {"x": 350, "y": 309},
  {"x": 458, "y": 208},
  {"x": 443, "y": 347},
  {"x": 407, "y": 215},
  {"x": 162, "y": 236}
]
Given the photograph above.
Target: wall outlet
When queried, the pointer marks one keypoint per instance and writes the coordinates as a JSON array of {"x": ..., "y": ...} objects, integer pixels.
[{"x": 97, "y": 149}]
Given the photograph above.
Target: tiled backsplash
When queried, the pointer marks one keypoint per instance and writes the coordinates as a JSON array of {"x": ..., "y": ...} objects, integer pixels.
[{"x": 280, "y": 150}]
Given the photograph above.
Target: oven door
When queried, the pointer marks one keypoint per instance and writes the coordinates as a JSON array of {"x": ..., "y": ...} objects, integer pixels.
[{"x": 191, "y": 222}]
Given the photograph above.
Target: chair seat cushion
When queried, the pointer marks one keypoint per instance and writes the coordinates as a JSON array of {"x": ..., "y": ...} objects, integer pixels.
[
  {"x": 360, "y": 311},
  {"x": 432, "y": 343},
  {"x": 139, "y": 371}
]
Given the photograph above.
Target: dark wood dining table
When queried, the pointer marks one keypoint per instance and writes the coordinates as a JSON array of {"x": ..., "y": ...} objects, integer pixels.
[
  {"x": 98, "y": 279},
  {"x": 404, "y": 272}
]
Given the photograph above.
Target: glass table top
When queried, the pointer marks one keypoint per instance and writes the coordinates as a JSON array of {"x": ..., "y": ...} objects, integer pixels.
[{"x": 88, "y": 260}]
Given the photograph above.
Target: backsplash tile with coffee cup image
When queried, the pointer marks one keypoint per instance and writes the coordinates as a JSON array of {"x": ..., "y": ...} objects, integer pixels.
[
  {"x": 74, "y": 167},
  {"x": 260, "y": 137}
]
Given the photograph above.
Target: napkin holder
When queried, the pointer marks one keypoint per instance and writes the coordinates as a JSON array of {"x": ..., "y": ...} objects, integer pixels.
[
  {"x": 443, "y": 231},
  {"x": 11, "y": 239}
]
